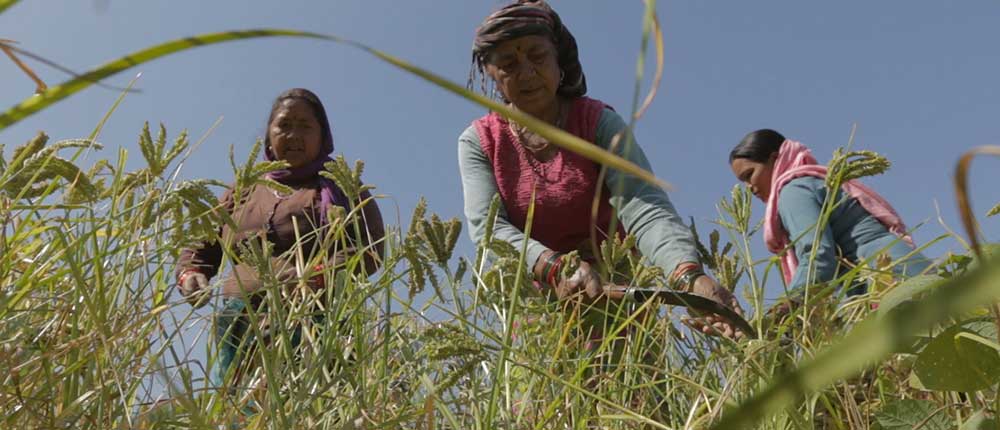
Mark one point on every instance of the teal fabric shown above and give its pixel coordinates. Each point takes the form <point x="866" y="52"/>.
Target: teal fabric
<point x="644" y="210"/>
<point x="851" y="230"/>
<point x="230" y="327"/>
<point x="234" y="340"/>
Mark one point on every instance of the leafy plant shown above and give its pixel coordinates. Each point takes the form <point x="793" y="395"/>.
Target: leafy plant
<point x="910" y="414"/>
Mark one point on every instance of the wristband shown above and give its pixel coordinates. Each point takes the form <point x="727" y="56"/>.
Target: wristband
<point x="686" y="281"/>
<point x="319" y="278"/>
<point x="185" y="274"/>
<point x="682" y="269"/>
<point x="556" y="272"/>
<point x="551" y="268"/>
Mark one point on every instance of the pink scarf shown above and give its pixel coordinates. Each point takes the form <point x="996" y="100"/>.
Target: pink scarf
<point x="795" y="161"/>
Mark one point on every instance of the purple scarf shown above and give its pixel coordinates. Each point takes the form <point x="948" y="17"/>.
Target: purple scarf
<point x="329" y="193"/>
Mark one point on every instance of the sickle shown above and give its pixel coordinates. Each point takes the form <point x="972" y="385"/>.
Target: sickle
<point x="691" y="301"/>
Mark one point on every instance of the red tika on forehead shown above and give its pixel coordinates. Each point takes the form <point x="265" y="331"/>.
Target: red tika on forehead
<point x="531" y="18"/>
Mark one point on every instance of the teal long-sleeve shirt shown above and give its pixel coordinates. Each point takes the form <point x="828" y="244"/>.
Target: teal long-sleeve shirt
<point x="852" y="232"/>
<point x="644" y="210"/>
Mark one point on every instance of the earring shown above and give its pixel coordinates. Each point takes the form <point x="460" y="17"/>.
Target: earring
<point x="562" y="76"/>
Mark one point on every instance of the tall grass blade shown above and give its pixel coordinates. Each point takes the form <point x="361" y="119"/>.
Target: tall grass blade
<point x="965" y="208"/>
<point x="56" y="93"/>
<point x="962" y="192"/>
<point x="553" y="134"/>
<point x="658" y="76"/>
<point x="4" y="4"/>
<point x="9" y="50"/>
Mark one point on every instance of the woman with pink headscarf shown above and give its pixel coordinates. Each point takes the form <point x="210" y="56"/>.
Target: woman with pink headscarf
<point x="784" y="174"/>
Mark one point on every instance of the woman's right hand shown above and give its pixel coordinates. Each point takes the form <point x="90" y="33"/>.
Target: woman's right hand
<point x="713" y="324"/>
<point x="193" y="286"/>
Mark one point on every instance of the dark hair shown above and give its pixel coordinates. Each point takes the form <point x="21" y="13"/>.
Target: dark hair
<point x="523" y="18"/>
<point x="317" y="107"/>
<point x="758" y="146"/>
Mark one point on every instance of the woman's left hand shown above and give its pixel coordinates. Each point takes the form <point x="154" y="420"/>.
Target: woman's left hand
<point x="713" y="324"/>
<point x="584" y="285"/>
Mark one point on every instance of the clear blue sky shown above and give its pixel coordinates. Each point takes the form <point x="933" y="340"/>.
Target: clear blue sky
<point x="918" y="77"/>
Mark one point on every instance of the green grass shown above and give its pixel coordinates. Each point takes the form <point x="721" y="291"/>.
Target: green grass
<point x="92" y="329"/>
<point x="93" y="334"/>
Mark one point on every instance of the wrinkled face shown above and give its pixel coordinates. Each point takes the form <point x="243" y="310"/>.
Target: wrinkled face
<point x="295" y="134"/>
<point x="756" y="175"/>
<point x="526" y="70"/>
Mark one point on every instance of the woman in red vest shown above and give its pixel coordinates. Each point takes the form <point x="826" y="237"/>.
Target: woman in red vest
<point x="531" y="59"/>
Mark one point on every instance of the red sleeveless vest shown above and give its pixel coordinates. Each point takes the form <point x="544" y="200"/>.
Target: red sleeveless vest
<point x="564" y="186"/>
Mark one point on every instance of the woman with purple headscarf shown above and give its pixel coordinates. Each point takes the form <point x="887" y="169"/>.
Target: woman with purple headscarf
<point x="293" y="225"/>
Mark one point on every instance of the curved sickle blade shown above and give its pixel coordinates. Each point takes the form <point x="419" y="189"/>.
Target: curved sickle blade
<point x="691" y="301"/>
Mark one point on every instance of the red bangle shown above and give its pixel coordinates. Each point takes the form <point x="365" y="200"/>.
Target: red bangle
<point x="185" y="274"/>
<point x="683" y="268"/>
<point x="319" y="279"/>
<point x="554" y="267"/>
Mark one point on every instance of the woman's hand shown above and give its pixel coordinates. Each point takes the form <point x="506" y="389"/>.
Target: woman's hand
<point x="713" y="324"/>
<point x="585" y="284"/>
<point x="193" y="286"/>
<point x="780" y="311"/>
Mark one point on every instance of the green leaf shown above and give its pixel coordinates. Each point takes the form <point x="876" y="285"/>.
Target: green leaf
<point x="984" y="327"/>
<point x="978" y="421"/>
<point x="980" y="339"/>
<point x="870" y="342"/>
<point x="907" y="414"/>
<point x="953" y="264"/>
<point x="952" y="362"/>
<point x="56" y="93"/>
<point x="914" y="382"/>
<point x="988" y="250"/>
<point x="909" y="289"/>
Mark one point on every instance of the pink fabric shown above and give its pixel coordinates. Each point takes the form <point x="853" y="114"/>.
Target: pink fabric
<point x="795" y="161"/>
<point x="563" y="197"/>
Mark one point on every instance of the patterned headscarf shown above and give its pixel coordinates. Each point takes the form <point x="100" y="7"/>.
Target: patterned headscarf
<point x="529" y="18"/>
